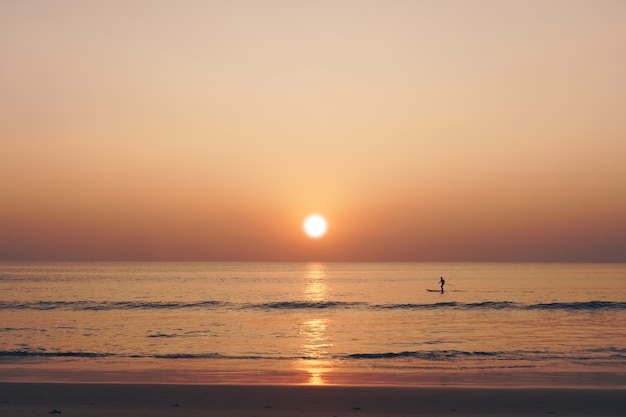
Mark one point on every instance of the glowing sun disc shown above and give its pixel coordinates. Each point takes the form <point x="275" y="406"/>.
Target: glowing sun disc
<point x="315" y="226"/>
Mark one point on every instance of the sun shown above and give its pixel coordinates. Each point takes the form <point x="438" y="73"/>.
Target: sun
<point x="315" y="226"/>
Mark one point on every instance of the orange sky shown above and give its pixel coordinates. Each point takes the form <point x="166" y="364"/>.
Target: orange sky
<point x="208" y="130"/>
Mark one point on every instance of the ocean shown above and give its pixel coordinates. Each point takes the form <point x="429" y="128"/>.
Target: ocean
<point x="314" y="323"/>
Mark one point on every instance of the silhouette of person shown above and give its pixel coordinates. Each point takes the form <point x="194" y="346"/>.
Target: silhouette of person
<point x="442" y="282"/>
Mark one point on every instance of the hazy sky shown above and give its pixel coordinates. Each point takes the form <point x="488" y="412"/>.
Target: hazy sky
<point x="208" y="130"/>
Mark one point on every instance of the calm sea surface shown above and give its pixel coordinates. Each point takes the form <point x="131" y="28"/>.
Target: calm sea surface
<point x="313" y="322"/>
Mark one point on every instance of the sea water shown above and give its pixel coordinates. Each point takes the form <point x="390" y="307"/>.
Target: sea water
<point x="372" y="323"/>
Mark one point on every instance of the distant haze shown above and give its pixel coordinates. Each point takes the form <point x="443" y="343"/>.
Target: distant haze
<point x="209" y="130"/>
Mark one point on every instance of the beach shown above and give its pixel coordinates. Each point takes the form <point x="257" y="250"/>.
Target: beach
<point x="38" y="399"/>
<point x="287" y="339"/>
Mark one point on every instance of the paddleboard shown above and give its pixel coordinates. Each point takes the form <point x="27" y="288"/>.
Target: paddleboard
<point x="433" y="290"/>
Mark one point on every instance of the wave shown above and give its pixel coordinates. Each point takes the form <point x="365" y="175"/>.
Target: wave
<point x="295" y="305"/>
<point x="43" y="354"/>
<point x="604" y="353"/>
<point x="587" y="305"/>
<point x="509" y="305"/>
<point x="107" y="305"/>
<point x="427" y="355"/>
<point x="452" y="304"/>
<point x="305" y="305"/>
<point x="608" y="353"/>
<point x="196" y="333"/>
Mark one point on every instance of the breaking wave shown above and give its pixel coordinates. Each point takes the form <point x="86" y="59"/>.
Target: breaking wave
<point x="307" y="305"/>
<point x="599" y="356"/>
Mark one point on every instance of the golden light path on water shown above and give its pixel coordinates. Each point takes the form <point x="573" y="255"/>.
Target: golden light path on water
<point x="313" y="330"/>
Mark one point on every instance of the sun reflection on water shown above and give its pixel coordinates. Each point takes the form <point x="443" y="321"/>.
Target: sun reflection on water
<point x="315" y="347"/>
<point x="315" y="283"/>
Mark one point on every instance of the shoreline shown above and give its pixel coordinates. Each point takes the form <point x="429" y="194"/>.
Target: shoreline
<point x="129" y="400"/>
<point x="193" y="372"/>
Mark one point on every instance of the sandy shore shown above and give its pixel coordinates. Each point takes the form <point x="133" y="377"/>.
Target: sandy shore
<point x="40" y="399"/>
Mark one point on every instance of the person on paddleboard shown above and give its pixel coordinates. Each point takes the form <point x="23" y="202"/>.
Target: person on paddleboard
<point x="442" y="282"/>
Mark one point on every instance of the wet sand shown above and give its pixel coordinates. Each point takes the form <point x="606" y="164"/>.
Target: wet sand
<point x="40" y="399"/>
